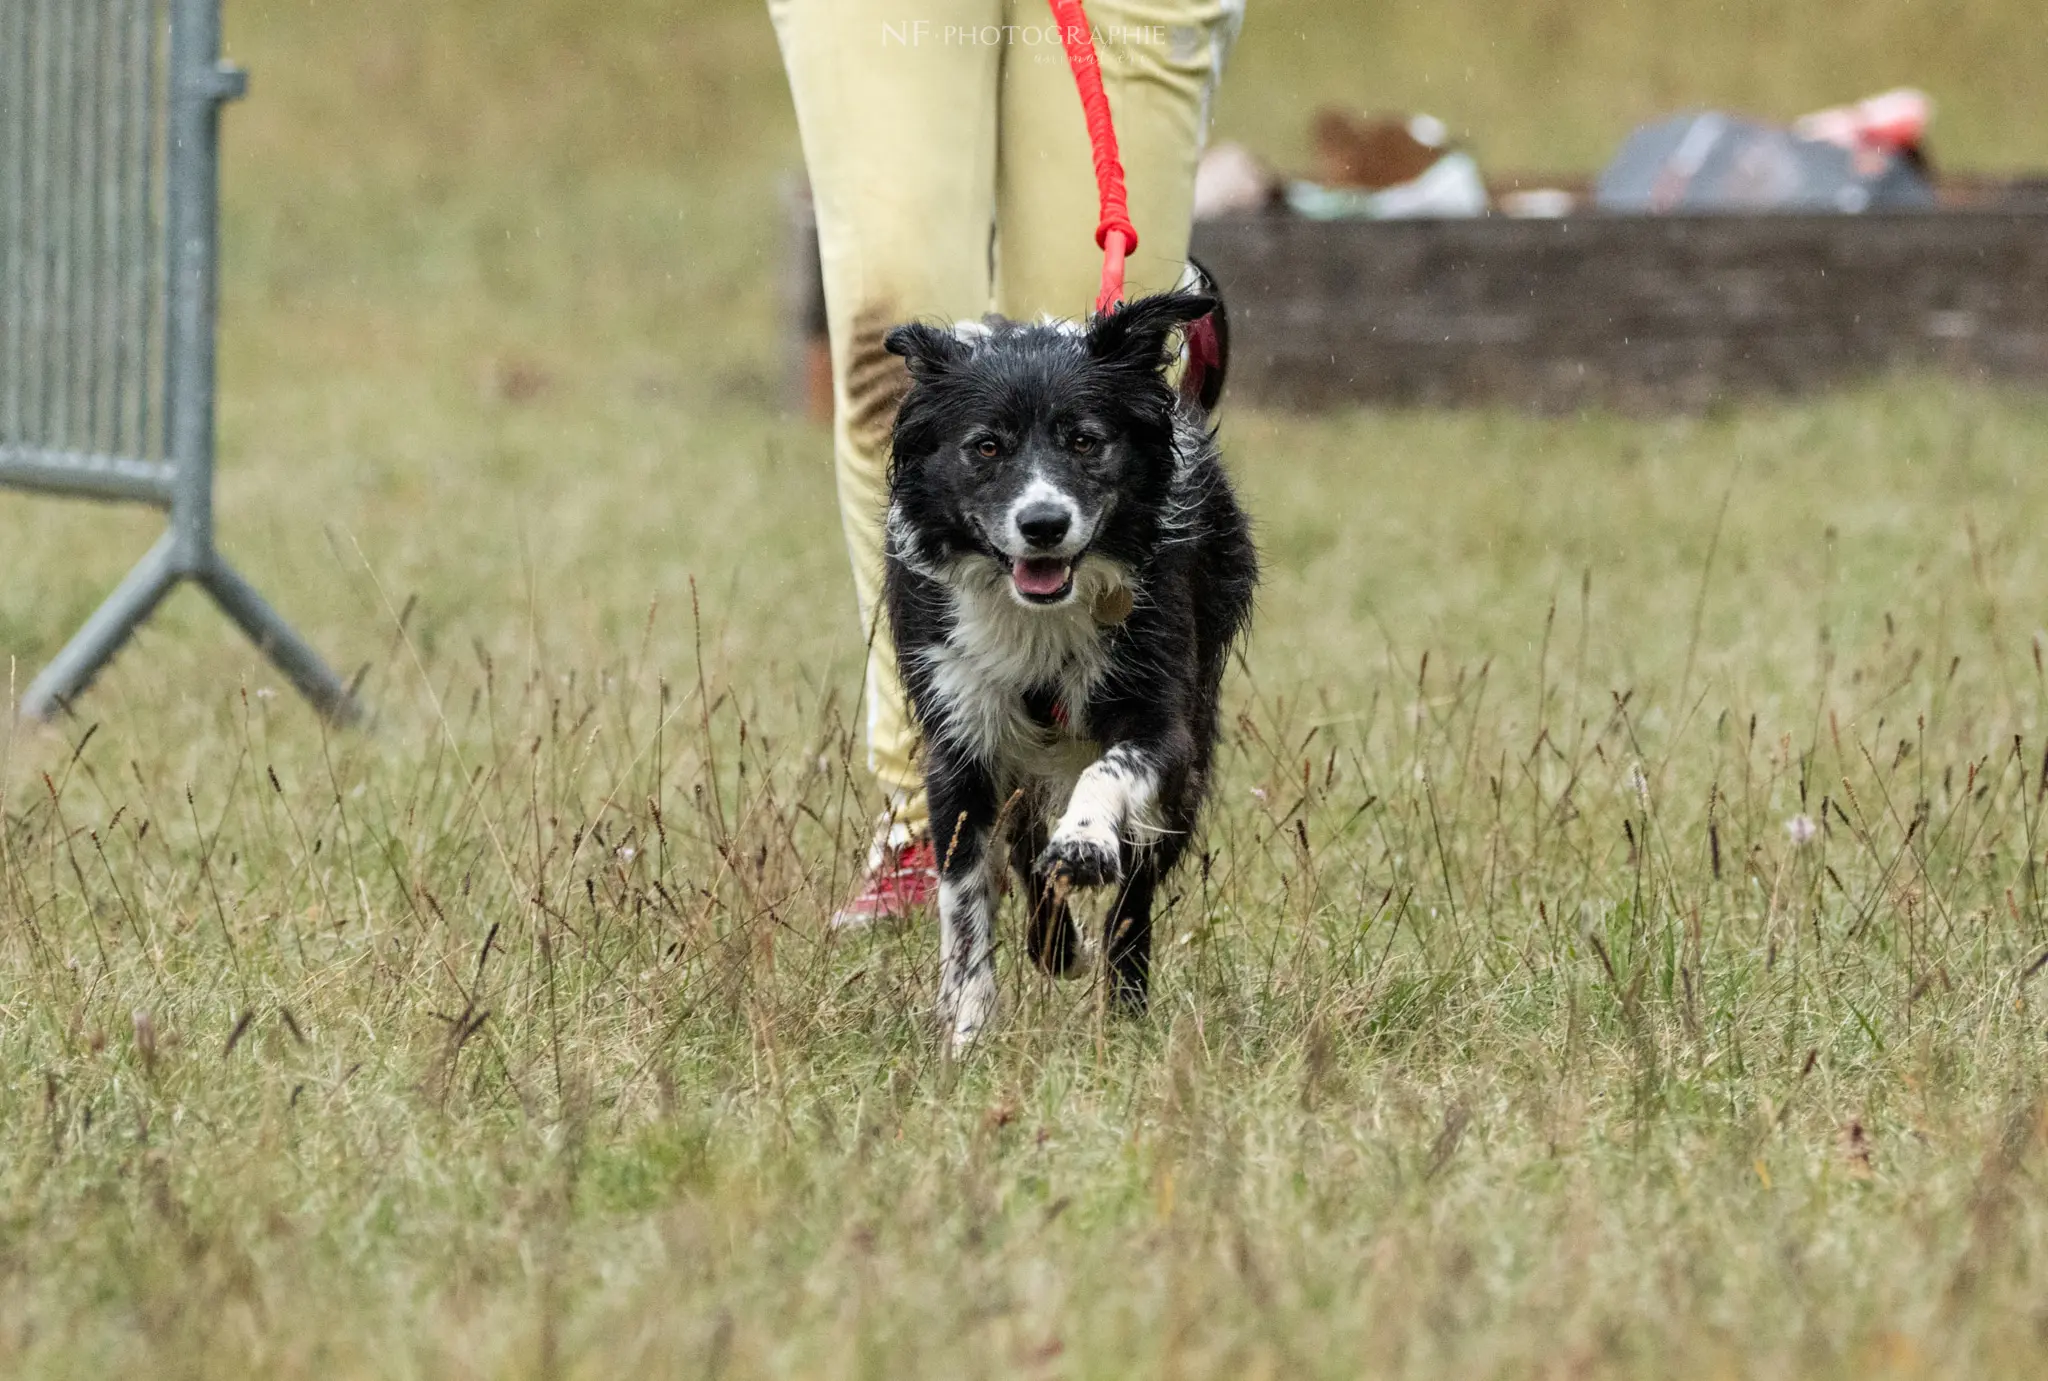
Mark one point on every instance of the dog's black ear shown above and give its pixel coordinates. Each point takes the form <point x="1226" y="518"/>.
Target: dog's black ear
<point x="929" y="350"/>
<point x="1136" y="333"/>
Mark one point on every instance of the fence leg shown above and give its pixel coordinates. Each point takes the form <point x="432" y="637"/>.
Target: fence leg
<point x="290" y="653"/>
<point x="94" y="645"/>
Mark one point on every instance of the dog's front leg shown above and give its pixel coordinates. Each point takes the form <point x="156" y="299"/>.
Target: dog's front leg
<point x="1113" y="831"/>
<point x="1112" y="802"/>
<point x="963" y="816"/>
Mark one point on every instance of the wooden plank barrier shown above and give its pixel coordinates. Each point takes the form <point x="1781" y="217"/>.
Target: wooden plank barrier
<point x="1634" y="312"/>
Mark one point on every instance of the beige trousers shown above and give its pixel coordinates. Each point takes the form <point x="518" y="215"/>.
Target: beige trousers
<point x="951" y="175"/>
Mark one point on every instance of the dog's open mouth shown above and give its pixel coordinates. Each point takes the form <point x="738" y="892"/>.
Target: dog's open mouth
<point x="1042" y="579"/>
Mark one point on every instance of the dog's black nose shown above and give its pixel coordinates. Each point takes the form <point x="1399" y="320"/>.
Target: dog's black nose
<point x="1044" y="524"/>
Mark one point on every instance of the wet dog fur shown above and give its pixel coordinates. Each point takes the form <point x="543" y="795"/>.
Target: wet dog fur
<point x="1068" y="571"/>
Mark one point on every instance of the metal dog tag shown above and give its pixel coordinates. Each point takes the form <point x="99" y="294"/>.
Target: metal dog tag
<point x="1113" y="606"/>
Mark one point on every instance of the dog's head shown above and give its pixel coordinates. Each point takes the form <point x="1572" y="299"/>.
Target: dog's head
<point x="1037" y="447"/>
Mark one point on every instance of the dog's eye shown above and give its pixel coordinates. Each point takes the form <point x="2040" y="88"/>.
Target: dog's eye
<point x="987" y="448"/>
<point x="1082" y="444"/>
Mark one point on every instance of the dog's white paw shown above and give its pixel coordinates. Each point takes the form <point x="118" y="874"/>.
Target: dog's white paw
<point x="1083" y="853"/>
<point x="969" y="1009"/>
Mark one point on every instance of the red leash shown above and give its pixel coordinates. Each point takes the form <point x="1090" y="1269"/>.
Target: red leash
<point x="1207" y="344"/>
<point x="1114" y="232"/>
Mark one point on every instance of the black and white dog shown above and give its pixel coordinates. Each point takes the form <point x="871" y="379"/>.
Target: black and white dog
<point x="1068" y="571"/>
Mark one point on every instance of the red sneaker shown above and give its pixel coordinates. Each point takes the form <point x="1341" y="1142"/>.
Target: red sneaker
<point x="900" y="881"/>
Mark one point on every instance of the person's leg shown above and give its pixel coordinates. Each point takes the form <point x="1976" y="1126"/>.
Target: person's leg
<point x="1161" y="61"/>
<point x="896" y="106"/>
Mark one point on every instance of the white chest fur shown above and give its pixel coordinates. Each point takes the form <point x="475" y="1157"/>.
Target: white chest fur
<point x="998" y="650"/>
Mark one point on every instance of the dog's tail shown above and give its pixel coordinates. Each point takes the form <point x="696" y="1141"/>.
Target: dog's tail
<point x="1205" y="345"/>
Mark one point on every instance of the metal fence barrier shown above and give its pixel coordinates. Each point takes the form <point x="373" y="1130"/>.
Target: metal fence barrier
<point x="109" y="198"/>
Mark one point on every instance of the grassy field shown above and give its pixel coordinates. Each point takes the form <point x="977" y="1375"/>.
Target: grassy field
<point x="1614" y="950"/>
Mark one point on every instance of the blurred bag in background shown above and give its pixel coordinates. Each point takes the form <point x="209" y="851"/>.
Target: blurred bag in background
<point x="1866" y="157"/>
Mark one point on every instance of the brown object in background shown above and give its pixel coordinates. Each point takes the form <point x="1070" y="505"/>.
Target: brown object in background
<point x="809" y="343"/>
<point x="817" y="378"/>
<point x="1373" y="152"/>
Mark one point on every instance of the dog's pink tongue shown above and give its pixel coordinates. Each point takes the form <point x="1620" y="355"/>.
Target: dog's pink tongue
<point x="1039" y="575"/>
